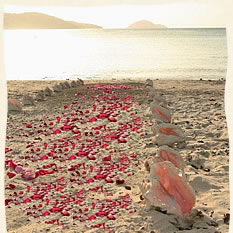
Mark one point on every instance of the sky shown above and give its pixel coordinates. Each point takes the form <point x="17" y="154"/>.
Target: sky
<point x="120" y="14"/>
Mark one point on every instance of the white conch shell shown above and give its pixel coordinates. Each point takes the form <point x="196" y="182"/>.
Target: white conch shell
<point x="73" y="84"/>
<point x="160" y="113"/>
<point x="67" y="85"/>
<point x="156" y="98"/>
<point x="169" y="189"/>
<point x="62" y="86"/>
<point x="57" y="88"/>
<point x="40" y="96"/>
<point x="80" y="82"/>
<point x="28" y="100"/>
<point x="48" y="91"/>
<point x="168" y="134"/>
<point x="149" y="82"/>
<point x="14" y="105"/>
<point x="166" y="153"/>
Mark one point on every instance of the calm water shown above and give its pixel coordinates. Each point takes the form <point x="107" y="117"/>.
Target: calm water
<point x="163" y="54"/>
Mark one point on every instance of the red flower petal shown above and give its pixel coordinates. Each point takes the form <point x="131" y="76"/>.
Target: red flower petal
<point x="65" y="213"/>
<point x="99" y="176"/>
<point x="7" y="150"/>
<point x="119" y="181"/>
<point x="27" y="200"/>
<point x="7" y="201"/>
<point x="57" y="131"/>
<point x="11" y="174"/>
<point x="92" y="218"/>
<point x="101" y="213"/>
<point x="58" y="119"/>
<point x="36" y="196"/>
<point x="90" y="180"/>
<point x="110" y="217"/>
<point x="107" y="158"/>
<point x="45" y="145"/>
<point x="46" y="213"/>
<point x="55" y="209"/>
<point x="93" y="119"/>
<point x="12" y="165"/>
<point x="122" y="140"/>
<point x="133" y="155"/>
<point x="11" y="186"/>
<point x="108" y="180"/>
<point x="91" y="157"/>
<point x="112" y="119"/>
<point x="72" y="157"/>
<point x="44" y="157"/>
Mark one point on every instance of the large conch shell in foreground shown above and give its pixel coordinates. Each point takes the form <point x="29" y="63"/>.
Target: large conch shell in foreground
<point x="168" y="134"/>
<point x="160" y="113"/>
<point x="169" y="190"/>
<point x="166" y="153"/>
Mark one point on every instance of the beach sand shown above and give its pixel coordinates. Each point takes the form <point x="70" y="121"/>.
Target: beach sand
<point x="89" y="197"/>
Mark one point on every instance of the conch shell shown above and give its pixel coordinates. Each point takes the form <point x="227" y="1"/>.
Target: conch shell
<point x="149" y="82"/>
<point x="48" y="91"/>
<point x="166" y="153"/>
<point x="40" y="96"/>
<point x="57" y="88"/>
<point x="73" y="84"/>
<point x="14" y="105"/>
<point x="28" y="100"/>
<point x="160" y="113"/>
<point x="169" y="190"/>
<point x="168" y="134"/>
<point x="67" y="85"/>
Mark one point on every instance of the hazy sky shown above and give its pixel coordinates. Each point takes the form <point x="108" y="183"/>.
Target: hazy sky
<point x="119" y="13"/>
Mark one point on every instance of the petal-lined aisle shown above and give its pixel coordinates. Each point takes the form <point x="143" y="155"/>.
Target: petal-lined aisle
<point x="74" y="161"/>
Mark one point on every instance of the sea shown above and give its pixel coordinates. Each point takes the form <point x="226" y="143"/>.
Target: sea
<point x="186" y="54"/>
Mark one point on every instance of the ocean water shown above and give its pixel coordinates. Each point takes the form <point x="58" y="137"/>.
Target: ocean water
<point x="115" y="53"/>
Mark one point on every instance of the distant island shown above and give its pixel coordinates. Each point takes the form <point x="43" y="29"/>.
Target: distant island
<point x="34" y="20"/>
<point x="145" y="24"/>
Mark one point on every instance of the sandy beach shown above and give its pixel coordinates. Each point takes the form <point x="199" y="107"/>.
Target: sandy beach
<point x="88" y="146"/>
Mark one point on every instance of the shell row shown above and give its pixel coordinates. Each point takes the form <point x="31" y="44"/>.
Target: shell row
<point x="168" y="187"/>
<point x="17" y="106"/>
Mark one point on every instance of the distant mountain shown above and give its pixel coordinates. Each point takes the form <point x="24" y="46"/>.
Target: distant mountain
<point x="34" y="20"/>
<point x="144" y="24"/>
